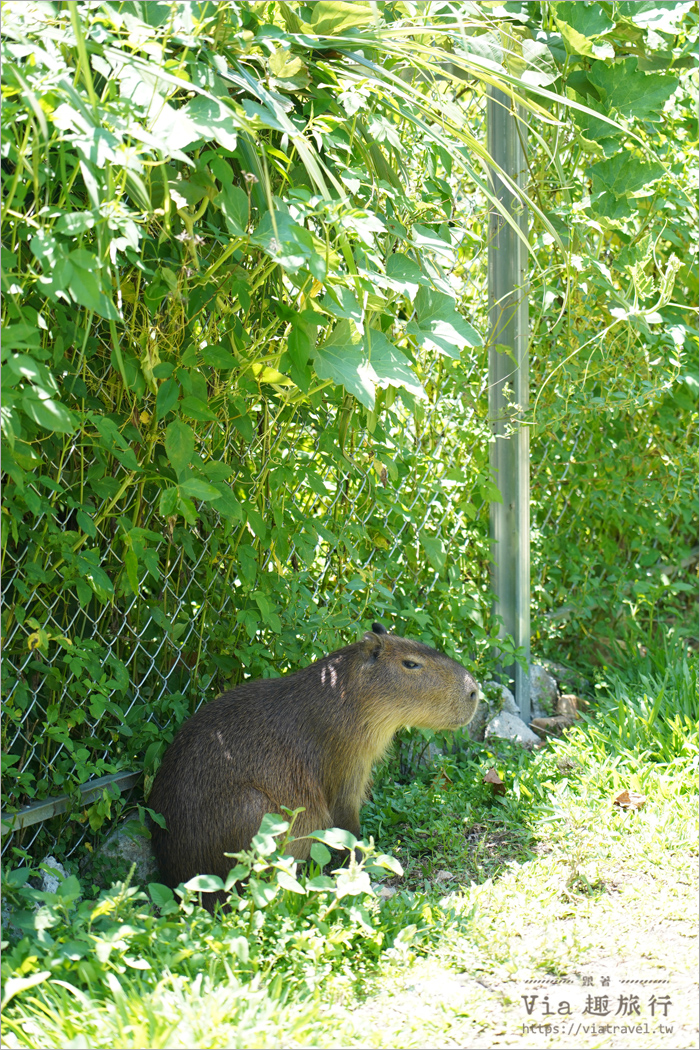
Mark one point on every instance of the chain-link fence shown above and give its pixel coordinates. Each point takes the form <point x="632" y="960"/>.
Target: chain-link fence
<point x="332" y="520"/>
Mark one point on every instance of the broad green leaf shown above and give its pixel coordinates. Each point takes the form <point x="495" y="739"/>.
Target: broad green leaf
<point x="341" y="302"/>
<point x="288" y="882"/>
<point x="212" y="120"/>
<point x="199" y="489"/>
<point x="405" y="274"/>
<point x="320" y="854"/>
<point x="196" y="409"/>
<point x="167" y="506"/>
<point x="663" y="16"/>
<point x="590" y="20"/>
<point x="351" y="883"/>
<point x="235" y="207"/>
<point x="26" y="367"/>
<point x="131" y="564"/>
<point x="341" y="359"/>
<point x="335" y="16"/>
<point x="179" y="445"/>
<point x="217" y="357"/>
<point x="261" y="893"/>
<point x="624" y="173"/>
<point x="286" y="242"/>
<point x="632" y="93"/>
<point x="75" y="222"/>
<point x="160" y="894"/>
<point x="435" y="550"/>
<point x="166" y="399"/>
<point x="205" y="884"/>
<point x="49" y="414"/>
<point x="438" y="325"/>
<point x="390" y="366"/>
<point x="86" y="523"/>
<point x="336" y="838"/>
<point x="84" y="284"/>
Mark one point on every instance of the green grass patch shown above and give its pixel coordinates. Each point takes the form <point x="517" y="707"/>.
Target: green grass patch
<point x="550" y="881"/>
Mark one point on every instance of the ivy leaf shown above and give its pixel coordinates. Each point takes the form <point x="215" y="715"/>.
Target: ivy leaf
<point x="438" y="326"/>
<point x="179" y="445"/>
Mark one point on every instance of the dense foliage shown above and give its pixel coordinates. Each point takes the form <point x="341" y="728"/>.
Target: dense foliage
<point x="243" y="410"/>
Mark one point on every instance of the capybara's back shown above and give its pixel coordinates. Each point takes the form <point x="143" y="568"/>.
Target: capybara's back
<point x="307" y="739"/>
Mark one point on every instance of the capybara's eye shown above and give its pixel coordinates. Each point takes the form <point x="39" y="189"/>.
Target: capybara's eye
<point x="410" y="663"/>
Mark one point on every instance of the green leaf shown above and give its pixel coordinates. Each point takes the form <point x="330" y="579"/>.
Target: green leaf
<point x="212" y="120"/>
<point x="438" y="326"/>
<point x="166" y="399"/>
<point x="404" y="274"/>
<point x="199" y="489"/>
<point x="390" y="366"/>
<point x="632" y="93"/>
<point x="26" y="367"/>
<point x="624" y="173"/>
<point x="288" y="882"/>
<point x="179" y="445"/>
<point x="196" y="409"/>
<point x="217" y="357"/>
<point x="286" y="242"/>
<point x="590" y="20"/>
<point x="329" y="17"/>
<point x="320" y="854"/>
<point x="49" y="414"/>
<point x="84" y="285"/>
<point x="235" y="207"/>
<point x="13" y="986"/>
<point x="160" y="894"/>
<point x="341" y="359"/>
<point x="341" y="302"/>
<point x="131" y="564"/>
<point x="663" y="16"/>
<point x="435" y="550"/>
<point x="205" y="884"/>
<point x="86" y="523"/>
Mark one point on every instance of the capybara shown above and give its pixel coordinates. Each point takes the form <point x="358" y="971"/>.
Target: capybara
<point x="307" y="739"/>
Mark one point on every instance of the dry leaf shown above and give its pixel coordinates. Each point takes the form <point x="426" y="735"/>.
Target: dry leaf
<point x="630" y="800"/>
<point x="495" y="781"/>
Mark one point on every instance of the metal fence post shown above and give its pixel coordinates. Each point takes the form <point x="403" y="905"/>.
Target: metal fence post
<point x="508" y="388"/>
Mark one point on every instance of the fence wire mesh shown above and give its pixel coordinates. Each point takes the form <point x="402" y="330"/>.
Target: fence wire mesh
<point x="334" y="520"/>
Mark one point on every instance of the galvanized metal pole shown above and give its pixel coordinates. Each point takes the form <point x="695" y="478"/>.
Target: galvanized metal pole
<point x="509" y="389"/>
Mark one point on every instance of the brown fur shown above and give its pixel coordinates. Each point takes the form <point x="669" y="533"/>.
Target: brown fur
<point x="307" y="739"/>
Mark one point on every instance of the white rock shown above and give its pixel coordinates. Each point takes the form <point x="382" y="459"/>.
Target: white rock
<point x="50" y="883"/>
<point x="510" y="727"/>
<point x="504" y="697"/>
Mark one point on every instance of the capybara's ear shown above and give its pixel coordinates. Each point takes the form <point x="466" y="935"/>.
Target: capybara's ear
<point x="379" y="629"/>
<point x="372" y="644"/>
